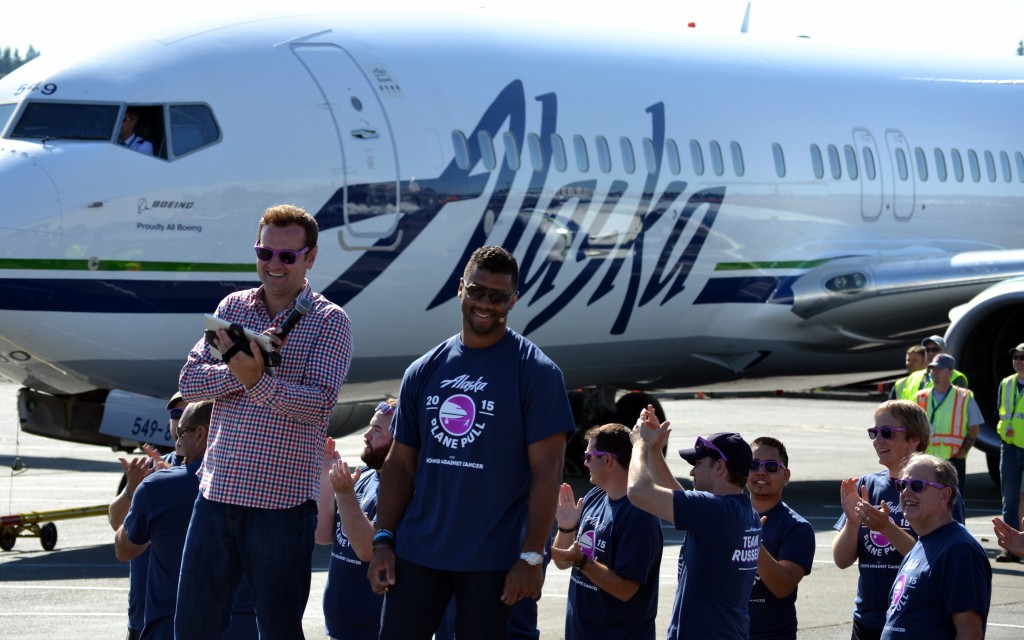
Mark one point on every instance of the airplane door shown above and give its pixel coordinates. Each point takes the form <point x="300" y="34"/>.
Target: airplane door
<point x="872" y="183"/>
<point x="902" y="174"/>
<point x="367" y="145"/>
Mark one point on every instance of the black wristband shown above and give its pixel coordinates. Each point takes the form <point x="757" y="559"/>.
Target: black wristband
<point x="582" y="562"/>
<point x="569" y="530"/>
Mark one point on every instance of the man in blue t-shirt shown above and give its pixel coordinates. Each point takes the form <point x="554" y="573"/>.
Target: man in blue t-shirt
<point x="944" y="585"/>
<point x="347" y="510"/>
<point x="787" y="545"/>
<point x="718" y="557"/>
<point x="479" y="441"/>
<point x="613" y="548"/>
<point x="873" y="530"/>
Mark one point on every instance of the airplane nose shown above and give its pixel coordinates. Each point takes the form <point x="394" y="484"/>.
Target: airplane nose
<point x="30" y="210"/>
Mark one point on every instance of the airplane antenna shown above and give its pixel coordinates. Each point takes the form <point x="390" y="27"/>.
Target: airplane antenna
<point x="745" y="27"/>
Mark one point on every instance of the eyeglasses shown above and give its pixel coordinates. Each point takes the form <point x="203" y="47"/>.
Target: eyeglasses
<point x="588" y="455"/>
<point x="183" y="430"/>
<point x="383" y="409"/>
<point x="478" y="292"/>
<point x="771" y="466"/>
<point x="702" y="447"/>
<point x="886" y="432"/>
<point x="175" y="414"/>
<point x="1021" y="357"/>
<point x="917" y="486"/>
<point x="287" y="256"/>
<point x="933" y="349"/>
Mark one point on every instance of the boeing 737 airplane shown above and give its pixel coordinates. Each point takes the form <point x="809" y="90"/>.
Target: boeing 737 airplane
<point x="685" y="209"/>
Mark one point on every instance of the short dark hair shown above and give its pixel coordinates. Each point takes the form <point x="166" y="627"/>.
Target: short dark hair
<point x="769" y="441"/>
<point x="282" y="215"/>
<point x="496" y="260"/>
<point x="197" y="414"/>
<point x="911" y="416"/>
<point x="613" y="438"/>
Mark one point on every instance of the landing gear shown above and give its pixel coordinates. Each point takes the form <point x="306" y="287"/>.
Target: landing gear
<point x="596" y="406"/>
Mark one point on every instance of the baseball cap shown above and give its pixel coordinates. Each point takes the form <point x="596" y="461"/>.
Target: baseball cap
<point x="939" y="340"/>
<point x="1019" y="347"/>
<point x="730" y="446"/>
<point x="175" y="399"/>
<point x="942" y="361"/>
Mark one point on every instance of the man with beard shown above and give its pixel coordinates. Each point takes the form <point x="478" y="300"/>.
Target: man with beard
<point x="347" y="511"/>
<point x="468" y="492"/>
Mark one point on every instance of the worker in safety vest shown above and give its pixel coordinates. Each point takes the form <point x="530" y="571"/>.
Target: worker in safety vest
<point x="915" y="360"/>
<point x="953" y="414"/>
<point x="1011" y="432"/>
<point x="915" y="382"/>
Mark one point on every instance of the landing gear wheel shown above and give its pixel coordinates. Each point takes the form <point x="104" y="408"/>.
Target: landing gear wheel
<point x="7" y="538"/>
<point x="629" y="406"/>
<point x="48" y="536"/>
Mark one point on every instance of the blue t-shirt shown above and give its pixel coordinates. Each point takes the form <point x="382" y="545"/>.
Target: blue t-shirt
<point x="946" y="572"/>
<point x="160" y="513"/>
<point x="471" y="413"/>
<point x="786" y="536"/>
<point x="351" y="608"/>
<point x="877" y="560"/>
<point x="628" y="541"/>
<point x="717" y="564"/>
<point x="137" y="572"/>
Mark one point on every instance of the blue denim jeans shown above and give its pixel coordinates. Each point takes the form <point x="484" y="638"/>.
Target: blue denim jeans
<point x="271" y="549"/>
<point x="1011" y="465"/>
<point x="414" y="606"/>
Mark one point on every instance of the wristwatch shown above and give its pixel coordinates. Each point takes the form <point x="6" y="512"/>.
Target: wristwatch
<point x="532" y="558"/>
<point x="579" y="564"/>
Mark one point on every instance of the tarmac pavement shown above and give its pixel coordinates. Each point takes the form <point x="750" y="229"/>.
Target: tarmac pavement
<point x="79" y="589"/>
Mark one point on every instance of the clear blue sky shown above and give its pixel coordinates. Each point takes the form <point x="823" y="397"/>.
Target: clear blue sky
<point x="981" y="27"/>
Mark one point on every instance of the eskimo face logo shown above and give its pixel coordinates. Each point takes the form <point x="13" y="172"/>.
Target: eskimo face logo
<point x="898" y="588"/>
<point x="457" y="414"/>
<point x="878" y="539"/>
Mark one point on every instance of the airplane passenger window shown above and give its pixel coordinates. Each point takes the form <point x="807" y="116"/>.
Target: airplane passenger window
<point x="511" y="150"/>
<point x="672" y="151"/>
<point x="851" y="162"/>
<point x="717" y="165"/>
<point x="192" y="127"/>
<point x="972" y="159"/>
<point x="461" y="147"/>
<point x="833" y="162"/>
<point x="1020" y="166"/>
<point x="869" y="163"/>
<point x="698" y="157"/>
<point x="5" y="114"/>
<point x="604" y="155"/>
<point x="536" y="153"/>
<point x="737" y="158"/>
<point x="558" y="159"/>
<point x="579" y="146"/>
<point x="990" y="166"/>
<point x="816" y="162"/>
<point x="901" y="164"/>
<point x="940" y="164"/>
<point x="67" y="121"/>
<point x="628" y="160"/>
<point x="958" y="165"/>
<point x="1004" y="160"/>
<point x="922" y="164"/>
<point x="650" y="157"/>
<point x="780" y="160"/>
<point x="486" y="144"/>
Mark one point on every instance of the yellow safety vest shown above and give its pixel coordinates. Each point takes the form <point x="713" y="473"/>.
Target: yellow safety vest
<point x="915" y="382"/>
<point x="1011" y="412"/>
<point x="948" y="420"/>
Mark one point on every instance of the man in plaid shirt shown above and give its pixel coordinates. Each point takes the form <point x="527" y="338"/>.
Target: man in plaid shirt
<point x="255" y="515"/>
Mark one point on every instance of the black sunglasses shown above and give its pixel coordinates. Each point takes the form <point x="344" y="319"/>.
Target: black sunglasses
<point x="478" y="292"/>
<point x="287" y="256"/>
<point x="771" y="466"/>
<point x="917" y="486"/>
<point x="886" y="432"/>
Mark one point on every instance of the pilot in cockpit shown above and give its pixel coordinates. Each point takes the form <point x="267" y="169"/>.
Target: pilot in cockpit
<point x="129" y="138"/>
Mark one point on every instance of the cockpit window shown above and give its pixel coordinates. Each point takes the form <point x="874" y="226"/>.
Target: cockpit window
<point x="192" y="127"/>
<point x="67" y="121"/>
<point x="5" y="114"/>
